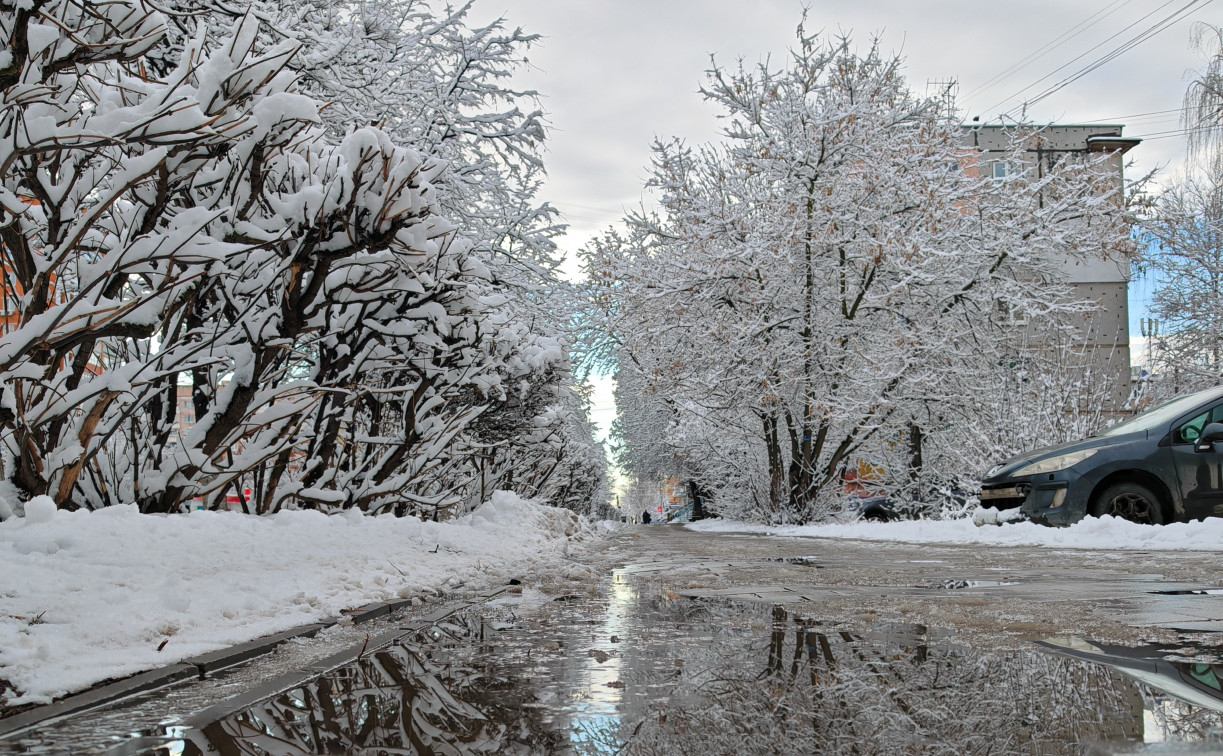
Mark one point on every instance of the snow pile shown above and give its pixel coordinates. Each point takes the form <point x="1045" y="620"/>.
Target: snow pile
<point x="993" y="516"/>
<point x="95" y="595"/>
<point x="40" y="509"/>
<point x="1090" y="533"/>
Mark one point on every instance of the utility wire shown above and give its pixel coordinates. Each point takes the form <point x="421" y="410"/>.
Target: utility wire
<point x="1051" y="45"/>
<point x="607" y="210"/>
<point x="1142" y="123"/>
<point x="1142" y="36"/>
<point x="1130" y="116"/>
<point x="1083" y="54"/>
<point x="1162" y="25"/>
<point x="1169" y="133"/>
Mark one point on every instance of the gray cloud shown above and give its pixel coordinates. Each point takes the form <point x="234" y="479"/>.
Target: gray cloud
<point x="615" y="75"/>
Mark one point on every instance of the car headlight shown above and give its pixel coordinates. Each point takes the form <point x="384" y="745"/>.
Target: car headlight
<point x="1053" y="464"/>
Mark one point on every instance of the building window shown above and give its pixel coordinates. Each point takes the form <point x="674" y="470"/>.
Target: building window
<point x="1000" y="170"/>
<point x="1010" y="316"/>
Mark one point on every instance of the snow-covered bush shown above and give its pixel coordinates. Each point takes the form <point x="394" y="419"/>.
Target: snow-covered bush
<point x="180" y="213"/>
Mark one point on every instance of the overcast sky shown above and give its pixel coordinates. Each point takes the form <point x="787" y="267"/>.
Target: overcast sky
<point x="616" y="73"/>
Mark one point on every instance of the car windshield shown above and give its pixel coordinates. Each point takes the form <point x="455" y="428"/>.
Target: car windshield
<point x="1161" y="414"/>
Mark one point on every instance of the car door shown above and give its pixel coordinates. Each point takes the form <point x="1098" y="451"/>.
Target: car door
<point x="1199" y="474"/>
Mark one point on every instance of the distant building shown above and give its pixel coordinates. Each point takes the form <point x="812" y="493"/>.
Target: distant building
<point x="675" y="500"/>
<point x="1103" y="280"/>
<point x="185" y="417"/>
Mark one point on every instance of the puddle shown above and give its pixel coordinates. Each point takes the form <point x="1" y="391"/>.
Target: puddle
<point x="1181" y="686"/>
<point x="636" y="669"/>
<point x="953" y="585"/>
<point x="405" y="698"/>
<point x="1191" y="592"/>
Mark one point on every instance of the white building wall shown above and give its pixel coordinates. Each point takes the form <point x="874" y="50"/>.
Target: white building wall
<point x="1101" y="280"/>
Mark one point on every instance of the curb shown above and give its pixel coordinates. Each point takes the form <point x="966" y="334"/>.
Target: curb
<point x="215" y="661"/>
<point x="198" y="667"/>
<point x="98" y="697"/>
<point x="292" y="680"/>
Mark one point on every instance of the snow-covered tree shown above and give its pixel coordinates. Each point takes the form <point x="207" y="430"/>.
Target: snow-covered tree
<point x="1202" y="113"/>
<point x="183" y="211"/>
<point x="810" y="289"/>
<point x="1184" y="228"/>
<point x="434" y="81"/>
<point x="196" y="223"/>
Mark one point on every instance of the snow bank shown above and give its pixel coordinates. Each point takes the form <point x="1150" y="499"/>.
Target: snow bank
<point x="1090" y="533"/>
<point x="994" y="516"/>
<point x="93" y="595"/>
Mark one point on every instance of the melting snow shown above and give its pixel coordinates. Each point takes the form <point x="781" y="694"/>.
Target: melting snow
<point x="1090" y="533"/>
<point x="92" y="595"/>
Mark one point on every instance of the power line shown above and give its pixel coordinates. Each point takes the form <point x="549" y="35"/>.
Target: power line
<point x="1051" y="45"/>
<point x="1124" y="47"/>
<point x="1082" y="55"/>
<point x="1162" y="25"/>
<point x="585" y="218"/>
<point x="1168" y="133"/>
<point x="1144" y="123"/>
<point x="1129" y="116"/>
<point x="1173" y="132"/>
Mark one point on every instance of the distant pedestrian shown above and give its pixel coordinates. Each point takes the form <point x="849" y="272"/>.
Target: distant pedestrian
<point x="645" y="517"/>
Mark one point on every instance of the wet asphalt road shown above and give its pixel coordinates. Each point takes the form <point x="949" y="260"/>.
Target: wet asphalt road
<point x="999" y="596"/>
<point x="661" y="640"/>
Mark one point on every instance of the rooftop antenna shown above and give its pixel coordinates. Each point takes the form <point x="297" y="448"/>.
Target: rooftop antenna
<point x="945" y="91"/>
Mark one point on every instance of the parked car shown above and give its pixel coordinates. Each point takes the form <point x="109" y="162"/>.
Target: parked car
<point x="1162" y="465"/>
<point x="876" y="508"/>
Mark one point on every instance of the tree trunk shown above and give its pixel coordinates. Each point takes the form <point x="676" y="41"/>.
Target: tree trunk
<point x="777" y="468"/>
<point x="698" y="501"/>
<point x="915" y="452"/>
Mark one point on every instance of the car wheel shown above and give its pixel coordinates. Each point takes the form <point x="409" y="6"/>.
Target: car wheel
<point x="1129" y="501"/>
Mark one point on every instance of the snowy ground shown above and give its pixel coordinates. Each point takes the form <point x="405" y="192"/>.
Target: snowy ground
<point x="1090" y="533"/>
<point x="94" y="595"/>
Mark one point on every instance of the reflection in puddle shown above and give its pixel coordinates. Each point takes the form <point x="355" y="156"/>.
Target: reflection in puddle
<point x="405" y="698"/>
<point x="655" y="674"/>
<point x="638" y="670"/>
<point x="1182" y="686"/>
<point x="901" y="689"/>
<point x="952" y="585"/>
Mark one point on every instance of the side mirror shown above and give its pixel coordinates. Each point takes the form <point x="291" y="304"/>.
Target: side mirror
<point x="1210" y="434"/>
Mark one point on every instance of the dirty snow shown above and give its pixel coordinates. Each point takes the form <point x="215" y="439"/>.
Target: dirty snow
<point x="1090" y="533"/>
<point x="95" y="595"/>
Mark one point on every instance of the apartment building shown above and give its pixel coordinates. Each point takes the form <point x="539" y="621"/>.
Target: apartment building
<point x="1102" y="279"/>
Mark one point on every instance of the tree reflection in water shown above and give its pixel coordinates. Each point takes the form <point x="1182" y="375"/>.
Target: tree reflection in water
<point x="828" y="692"/>
<point x="703" y="677"/>
<point x="400" y="699"/>
<point x="1178" y="721"/>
